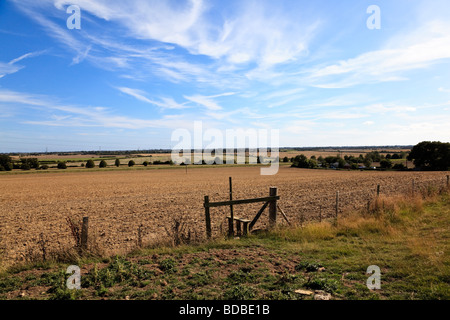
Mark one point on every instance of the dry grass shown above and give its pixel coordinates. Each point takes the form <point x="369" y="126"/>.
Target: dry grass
<point x="381" y="216"/>
<point x="119" y="202"/>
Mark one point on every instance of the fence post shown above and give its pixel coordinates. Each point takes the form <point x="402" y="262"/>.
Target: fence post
<point x="231" y="221"/>
<point x="84" y="233"/>
<point x="378" y="190"/>
<point x="207" y="218"/>
<point x="413" y="187"/>
<point x="337" y="203"/>
<point x="320" y="213"/>
<point x="273" y="208"/>
<point x="448" y="182"/>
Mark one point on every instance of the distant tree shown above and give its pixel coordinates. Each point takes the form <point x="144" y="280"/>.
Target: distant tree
<point x="102" y="164"/>
<point x="90" y="163"/>
<point x="367" y="162"/>
<point x="117" y="163"/>
<point x="386" y="164"/>
<point x="44" y="167"/>
<point x="312" y="163"/>
<point x="431" y="155"/>
<point x="25" y="166"/>
<point x="145" y="163"/>
<point x="331" y="159"/>
<point x="61" y="165"/>
<point x="352" y="159"/>
<point x="5" y="162"/>
<point x="131" y="163"/>
<point x="29" y="163"/>
<point x="388" y="156"/>
<point x="374" y="155"/>
<point x="321" y="160"/>
<point x="341" y="162"/>
<point x="285" y="159"/>
<point x="301" y="161"/>
<point x="399" y="166"/>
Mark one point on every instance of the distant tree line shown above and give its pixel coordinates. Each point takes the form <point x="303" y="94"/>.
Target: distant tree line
<point x="426" y="155"/>
<point x="350" y="162"/>
<point x="431" y="155"/>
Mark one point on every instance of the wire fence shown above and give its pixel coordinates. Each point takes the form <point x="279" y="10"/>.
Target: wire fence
<point x="302" y="207"/>
<point x="131" y="219"/>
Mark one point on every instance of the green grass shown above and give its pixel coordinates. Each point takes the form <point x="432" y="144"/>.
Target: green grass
<point x="407" y="239"/>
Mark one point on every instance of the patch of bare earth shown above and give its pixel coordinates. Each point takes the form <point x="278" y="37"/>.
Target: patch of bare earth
<point x="118" y="202"/>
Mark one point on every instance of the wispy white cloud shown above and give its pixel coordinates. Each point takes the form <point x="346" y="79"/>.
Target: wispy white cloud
<point x="251" y="32"/>
<point x="11" y="67"/>
<point x="208" y="101"/>
<point x="80" y="116"/>
<point x="55" y="30"/>
<point x="27" y="55"/>
<point x="422" y="48"/>
<point x="204" y="101"/>
<point x="383" y="108"/>
<point x="6" y="68"/>
<point x="167" y="103"/>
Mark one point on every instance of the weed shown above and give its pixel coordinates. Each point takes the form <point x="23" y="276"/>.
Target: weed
<point x="308" y="266"/>
<point x="119" y="271"/>
<point x="240" y="276"/>
<point x="9" y="284"/>
<point x="59" y="290"/>
<point x="168" y="265"/>
<point x="239" y="292"/>
<point x="325" y="284"/>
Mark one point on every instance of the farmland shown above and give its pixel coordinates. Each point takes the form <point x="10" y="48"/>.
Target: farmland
<point x="34" y="207"/>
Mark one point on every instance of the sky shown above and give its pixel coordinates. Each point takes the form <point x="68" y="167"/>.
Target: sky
<point x="136" y="71"/>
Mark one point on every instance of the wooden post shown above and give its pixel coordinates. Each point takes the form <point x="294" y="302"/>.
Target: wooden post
<point x="448" y="182"/>
<point x="337" y="203"/>
<point x="238" y="228"/>
<point x="207" y="218"/>
<point x="273" y="208"/>
<point x="378" y="190"/>
<point x="245" y="228"/>
<point x="412" y="187"/>
<point x="231" y="221"/>
<point x="320" y="213"/>
<point x="84" y="233"/>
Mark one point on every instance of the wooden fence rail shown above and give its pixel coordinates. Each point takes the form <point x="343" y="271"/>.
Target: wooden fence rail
<point x="270" y="201"/>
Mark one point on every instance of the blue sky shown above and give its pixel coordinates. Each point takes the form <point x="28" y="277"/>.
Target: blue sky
<point x="138" y="70"/>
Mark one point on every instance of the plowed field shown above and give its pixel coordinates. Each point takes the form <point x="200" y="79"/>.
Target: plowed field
<point x="117" y="202"/>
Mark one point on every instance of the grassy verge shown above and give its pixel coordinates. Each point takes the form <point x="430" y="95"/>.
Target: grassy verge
<point x="407" y="237"/>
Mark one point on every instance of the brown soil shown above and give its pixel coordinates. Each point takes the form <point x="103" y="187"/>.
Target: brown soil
<point x="117" y="202"/>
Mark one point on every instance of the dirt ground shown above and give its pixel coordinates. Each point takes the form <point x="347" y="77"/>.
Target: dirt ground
<point x="34" y="207"/>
